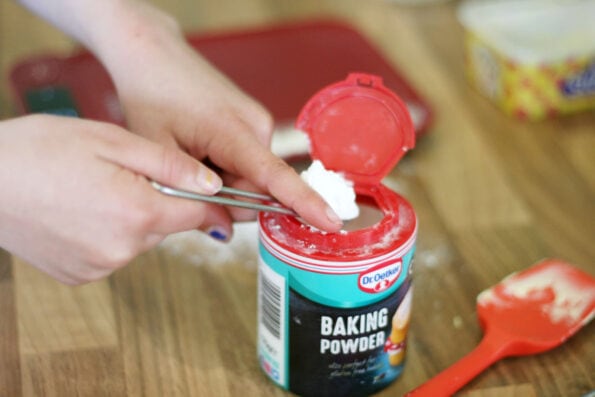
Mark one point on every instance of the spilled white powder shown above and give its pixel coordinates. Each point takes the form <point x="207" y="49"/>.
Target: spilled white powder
<point x="334" y="188"/>
<point x="434" y="254"/>
<point x="199" y="249"/>
<point x="570" y="299"/>
<point x="457" y="322"/>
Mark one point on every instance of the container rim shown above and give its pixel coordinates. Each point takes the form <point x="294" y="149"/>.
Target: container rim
<point x="347" y="249"/>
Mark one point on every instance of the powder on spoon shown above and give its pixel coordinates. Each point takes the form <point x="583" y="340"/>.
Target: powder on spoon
<point x="559" y="295"/>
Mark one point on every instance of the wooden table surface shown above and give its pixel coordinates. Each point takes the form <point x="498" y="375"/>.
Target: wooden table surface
<point x="493" y="196"/>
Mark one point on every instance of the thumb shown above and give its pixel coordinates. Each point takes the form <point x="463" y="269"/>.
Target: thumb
<point x="165" y="164"/>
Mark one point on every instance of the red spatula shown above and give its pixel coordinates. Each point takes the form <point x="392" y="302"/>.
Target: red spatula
<point x="528" y="312"/>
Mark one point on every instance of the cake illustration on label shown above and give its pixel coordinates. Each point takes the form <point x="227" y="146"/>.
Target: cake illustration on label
<point x="395" y="344"/>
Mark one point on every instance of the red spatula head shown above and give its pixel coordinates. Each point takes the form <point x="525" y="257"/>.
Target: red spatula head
<point x="538" y="308"/>
<point x="527" y="312"/>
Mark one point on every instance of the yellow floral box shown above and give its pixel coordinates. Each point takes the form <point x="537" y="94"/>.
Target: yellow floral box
<point x="533" y="58"/>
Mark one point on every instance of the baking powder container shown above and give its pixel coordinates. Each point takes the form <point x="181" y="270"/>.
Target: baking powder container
<point x="334" y="308"/>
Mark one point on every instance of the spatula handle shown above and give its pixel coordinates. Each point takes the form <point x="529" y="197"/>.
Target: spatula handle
<point x="447" y="382"/>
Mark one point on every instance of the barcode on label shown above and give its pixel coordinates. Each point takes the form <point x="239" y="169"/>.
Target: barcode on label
<point x="272" y="304"/>
<point x="270" y="298"/>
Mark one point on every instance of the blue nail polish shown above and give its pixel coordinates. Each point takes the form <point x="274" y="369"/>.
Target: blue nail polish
<point x="217" y="234"/>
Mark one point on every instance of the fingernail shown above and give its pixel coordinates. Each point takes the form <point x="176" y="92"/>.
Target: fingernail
<point x="217" y="233"/>
<point x="332" y="216"/>
<point x="209" y="181"/>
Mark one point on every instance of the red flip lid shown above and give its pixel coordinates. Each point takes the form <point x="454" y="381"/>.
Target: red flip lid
<point x="358" y="127"/>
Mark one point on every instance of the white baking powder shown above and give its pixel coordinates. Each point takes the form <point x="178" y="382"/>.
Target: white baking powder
<point x="199" y="249"/>
<point x="334" y="188"/>
<point x="570" y="300"/>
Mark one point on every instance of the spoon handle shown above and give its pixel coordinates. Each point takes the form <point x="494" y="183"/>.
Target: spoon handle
<point x="447" y="382"/>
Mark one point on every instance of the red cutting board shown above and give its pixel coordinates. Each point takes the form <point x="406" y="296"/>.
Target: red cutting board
<point x="282" y="66"/>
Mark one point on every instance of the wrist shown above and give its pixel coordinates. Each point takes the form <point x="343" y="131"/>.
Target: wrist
<point x="129" y="27"/>
<point x="104" y="26"/>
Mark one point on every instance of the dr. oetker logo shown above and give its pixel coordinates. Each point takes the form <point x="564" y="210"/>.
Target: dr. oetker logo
<point x="381" y="277"/>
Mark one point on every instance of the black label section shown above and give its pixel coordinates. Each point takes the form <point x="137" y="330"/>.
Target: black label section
<point x="341" y="352"/>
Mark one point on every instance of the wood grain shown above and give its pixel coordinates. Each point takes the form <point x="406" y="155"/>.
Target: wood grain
<point x="75" y="318"/>
<point x="493" y="196"/>
<point x="10" y="364"/>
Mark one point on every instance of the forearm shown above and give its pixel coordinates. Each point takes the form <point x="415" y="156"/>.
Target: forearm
<point x="111" y="29"/>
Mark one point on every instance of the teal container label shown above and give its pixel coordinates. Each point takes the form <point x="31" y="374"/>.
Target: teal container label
<point x="333" y="328"/>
